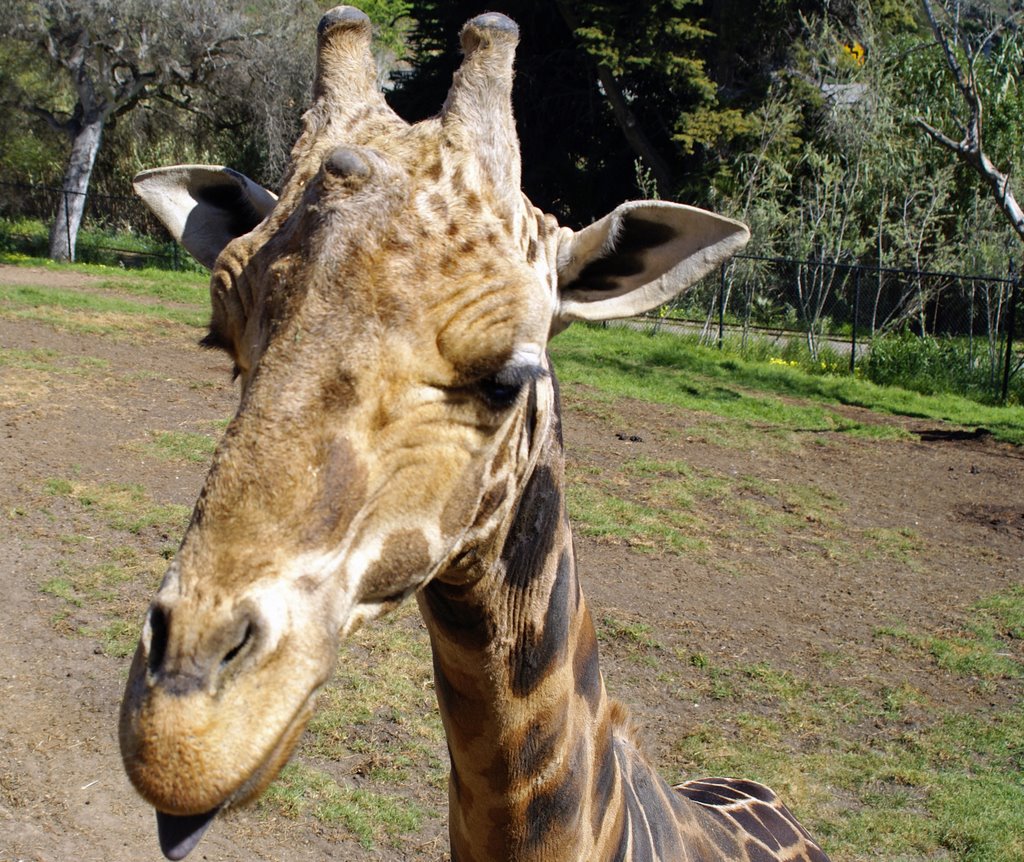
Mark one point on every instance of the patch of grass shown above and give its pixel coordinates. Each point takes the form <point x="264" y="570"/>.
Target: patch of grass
<point x="1005" y="611"/>
<point x="89" y="312"/>
<point x="976" y="652"/>
<point x="97" y="578"/>
<point x="370" y="817"/>
<point x="647" y="467"/>
<point x="174" y="285"/>
<point x="667" y="369"/>
<point x="674" y="484"/>
<point x="381" y="704"/>
<point x="597" y="511"/>
<point x="882" y="774"/>
<point x="97" y="584"/>
<point x="48" y="361"/>
<point x="668" y="506"/>
<point x="896" y="700"/>
<point x="39" y="359"/>
<point x="634" y="633"/>
<point x="182" y="446"/>
<point x="948" y="787"/>
<point x="58" y="487"/>
<point x="185" y="288"/>
<point x="97" y="595"/>
<point x="757" y="682"/>
<point x="900" y="544"/>
<point x="122" y="506"/>
<point x="117" y="638"/>
<point x="62" y="588"/>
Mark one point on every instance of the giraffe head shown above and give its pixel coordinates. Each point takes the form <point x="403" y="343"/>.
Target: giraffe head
<point x="388" y="317"/>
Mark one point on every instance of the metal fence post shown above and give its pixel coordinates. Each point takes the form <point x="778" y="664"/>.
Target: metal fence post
<point x="1011" y="321"/>
<point x="721" y="306"/>
<point x="970" y="332"/>
<point x="856" y="315"/>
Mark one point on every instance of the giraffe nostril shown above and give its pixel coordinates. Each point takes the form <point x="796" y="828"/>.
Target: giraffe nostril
<point x="238" y="648"/>
<point x="159" y="630"/>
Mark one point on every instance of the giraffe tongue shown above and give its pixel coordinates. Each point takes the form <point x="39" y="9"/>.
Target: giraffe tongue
<point x="179" y="835"/>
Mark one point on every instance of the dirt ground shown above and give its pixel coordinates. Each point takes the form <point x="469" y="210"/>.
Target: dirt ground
<point x="793" y="596"/>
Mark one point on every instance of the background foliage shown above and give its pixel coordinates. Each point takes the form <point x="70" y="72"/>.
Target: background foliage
<point x="797" y="116"/>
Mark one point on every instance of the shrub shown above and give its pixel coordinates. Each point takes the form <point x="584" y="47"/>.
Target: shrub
<point x="94" y="245"/>
<point x="934" y="365"/>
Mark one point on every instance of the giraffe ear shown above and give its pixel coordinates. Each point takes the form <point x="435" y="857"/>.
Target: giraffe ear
<point x="639" y="256"/>
<point x="204" y="206"/>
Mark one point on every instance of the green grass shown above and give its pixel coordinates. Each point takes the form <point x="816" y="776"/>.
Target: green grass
<point x="598" y="512"/>
<point x="383" y="678"/>
<point x="886" y="774"/>
<point x="46" y="362"/>
<point x="97" y="576"/>
<point x="112" y="301"/>
<point x="39" y="359"/>
<point x="900" y="544"/>
<point x="150" y="281"/>
<point x="370" y="817"/>
<point x="80" y="311"/>
<point x="185" y="288"/>
<point x="1004" y="612"/>
<point x="978" y="653"/>
<point x="667" y="369"/>
<point x="118" y="638"/>
<point x="182" y="446"/>
<point x="670" y="507"/>
<point x="96" y="595"/>
<point x="98" y="246"/>
<point x="633" y="633"/>
<point x="122" y="506"/>
<point x="987" y="646"/>
<point x="63" y="588"/>
<point x="378" y="716"/>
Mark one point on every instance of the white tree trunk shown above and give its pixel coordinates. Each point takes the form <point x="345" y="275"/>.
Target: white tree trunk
<point x="64" y="232"/>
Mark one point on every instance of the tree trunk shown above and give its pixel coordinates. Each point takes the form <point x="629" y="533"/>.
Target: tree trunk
<point x="70" y="207"/>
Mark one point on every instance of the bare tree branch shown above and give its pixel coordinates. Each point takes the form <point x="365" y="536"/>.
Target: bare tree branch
<point x="51" y="119"/>
<point x="970" y="149"/>
<point x="941" y="137"/>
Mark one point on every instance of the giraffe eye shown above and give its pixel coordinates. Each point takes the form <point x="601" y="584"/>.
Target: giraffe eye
<point x="500" y="391"/>
<point x="499" y="396"/>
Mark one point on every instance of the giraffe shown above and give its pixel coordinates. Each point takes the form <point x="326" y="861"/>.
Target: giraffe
<point x="399" y="434"/>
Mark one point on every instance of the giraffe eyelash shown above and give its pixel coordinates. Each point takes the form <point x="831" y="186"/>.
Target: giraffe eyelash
<point x="501" y="390"/>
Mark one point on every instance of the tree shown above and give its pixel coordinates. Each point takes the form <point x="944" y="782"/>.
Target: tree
<point x="600" y="85"/>
<point x="108" y="56"/>
<point x="973" y="64"/>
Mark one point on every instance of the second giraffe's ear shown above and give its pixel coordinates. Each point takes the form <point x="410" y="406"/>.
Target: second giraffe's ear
<point x="204" y="206"/>
<point x="638" y="257"/>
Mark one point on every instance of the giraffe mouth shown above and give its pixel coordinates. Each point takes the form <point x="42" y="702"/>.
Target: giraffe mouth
<point x="179" y="834"/>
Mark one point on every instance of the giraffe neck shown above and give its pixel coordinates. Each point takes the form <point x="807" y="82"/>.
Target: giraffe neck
<point x="541" y="759"/>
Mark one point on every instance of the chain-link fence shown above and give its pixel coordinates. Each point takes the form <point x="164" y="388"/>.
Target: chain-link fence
<point x="838" y="315"/>
<point x="117" y="230"/>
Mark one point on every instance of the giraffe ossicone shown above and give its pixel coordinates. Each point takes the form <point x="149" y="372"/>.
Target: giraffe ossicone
<point x="398" y="434"/>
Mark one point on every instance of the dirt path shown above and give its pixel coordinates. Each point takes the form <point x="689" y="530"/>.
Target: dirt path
<point x="861" y="534"/>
